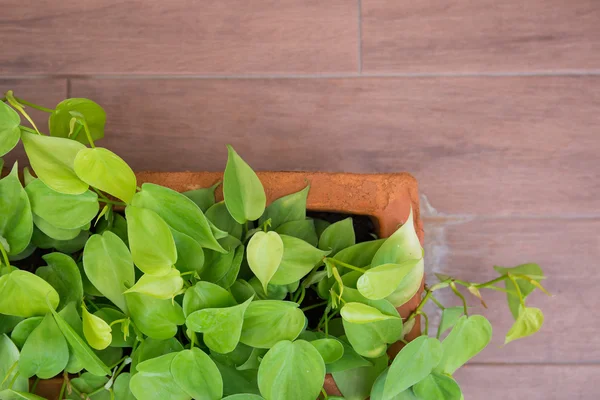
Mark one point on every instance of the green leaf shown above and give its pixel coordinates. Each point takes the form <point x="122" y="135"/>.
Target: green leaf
<point x="331" y="350"/>
<point x="414" y="362"/>
<point x="235" y="358"/>
<point x="9" y="356"/>
<point x="361" y="254"/>
<point x="265" y="251"/>
<point x="179" y="212"/>
<point x="242" y="290"/>
<point x="66" y="211"/>
<point x="469" y="336"/>
<point x="23" y="329"/>
<point x="358" y="313"/>
<point x="43" y="241"/>
<point x="243" y="192"/>
<point x="381" y="281"/>
<point x="161" y="287"/>
<point x="204" y="197"/>
<point x="219" y="216"/>
<point x="53" y="160"/>
<point x="154" y="317"/>
<point x="54" y="232"/>
<point x="338" y="236"/>
<point x="350" y="360"/>
<point x="320" y="226"/>
<point x="235" y="381"/>
<point x="304" y="230"/>
<point x="267" y="322"/>
<point x="109" y="267"/>
<point x="150" y="240"/>
<point x="437" y="386"/>
<point x="299" y="258"/>
<point x="24" y="294"/>
<point x="87" y="384"/>
<point x="78" y="348"/>
<point x="253" y="361"/>
<point x="16" y="223"/>
<point x="221" y="327"/>
<point x="409" y="286"/>
<point x="286" y="209"/>
<point x="45" y="352"/>
<point x="190" y="256"/>
<point x="450" y="317"/>
<point x="528" y="322"/>
<point x="206" y="295"/>
<point x="356" y="384"/>
<point x="121" y="387"/>
<point x="96" y="331"/>
<point x="154" y="380"/>
<point x="152" y="348"/>
<point x="274" y="292"/>
<point x="104" y="170"/>
<point x="60" y="119"/>
<point x="109" y="315"/>
<point x="197" y="375"/>
<point x="378" y="386"/>
<point x="532" y="270"/>
<point x="245" y="396"/>
<point x="403" y="245"/>
<point x="9" y="128"/>
<point x="219" y="267"/>
<point x="62" y="273"/>
<point x="291" y="371"/>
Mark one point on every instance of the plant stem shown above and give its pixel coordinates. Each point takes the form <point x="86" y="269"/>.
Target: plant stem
<point x="437" y="303"/>
<point x="37" y="107"/>
<point x="4" y="255"/>
<point x="87" y="133"/>
<point x="459" y="294"/>
<point x="34" y="386"/>
<point x="16" y="105"/>
<point x="314" y="306"/>
<point x="10" y="370"/>
<point x="62" y="389"/>
<point x="518" y="289"/>
<point x="345" y="265"/>
<point x="302" y="294"/>
<point x="324" y="394"/>
<point x="489" y="283"/>
<point x="27" y="129"/>
<point x="426" y="322"/>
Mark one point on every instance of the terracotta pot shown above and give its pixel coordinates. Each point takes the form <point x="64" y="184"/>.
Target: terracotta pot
<point x="386" y="198"/>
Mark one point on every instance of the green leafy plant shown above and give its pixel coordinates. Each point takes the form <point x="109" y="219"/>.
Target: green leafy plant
<point x="145" y="293"/>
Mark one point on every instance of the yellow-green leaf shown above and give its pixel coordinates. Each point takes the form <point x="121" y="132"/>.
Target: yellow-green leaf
<point x="96" y="331"/>
<point x="265" y="251"/>
<point x="162" y="286"/>
<point x="529" y="321"/>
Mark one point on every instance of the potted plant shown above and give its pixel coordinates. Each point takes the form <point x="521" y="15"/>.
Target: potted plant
<point x="110" y="290"/>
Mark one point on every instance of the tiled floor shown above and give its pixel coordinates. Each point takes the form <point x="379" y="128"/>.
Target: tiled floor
<point x="493" y="106"/>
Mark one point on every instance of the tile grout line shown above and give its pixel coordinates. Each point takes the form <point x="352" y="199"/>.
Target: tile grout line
<point x="360" y="52"/>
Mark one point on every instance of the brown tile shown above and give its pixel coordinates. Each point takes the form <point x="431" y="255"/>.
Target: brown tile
<point x="467" y="36"/>
<point x="494" y="146"/>
<point x="531" y="382"/>
<point x="568" y="252"/>
<point x="179" y="37"/>
<point x="44" y="92"/>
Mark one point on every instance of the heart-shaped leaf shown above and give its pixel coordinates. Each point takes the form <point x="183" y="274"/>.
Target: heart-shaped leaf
<point x="121" y="387"/>
<point x="469" y="336"/>
<point x="203" y="197"/>
<point x="45" y="352"/>
<point x="242" y="290"/>
<point x="267" y="322"/>
<point x="409" y="286"/>
<point x="24" y="294"/>
<point x="291" y="371"/>
<point x="220" y="217"/>
<point x="181" y="213"/>
<point x="104" y="170"/>
<point x="401" y="246"/>
<point x="437" y="386"/>
<point x="358" y="313"/>
<point x="59" y="122"/>
<point x="286" y="209"/>
<point x="206" y="295"/>
<point x="96" y="331"/>
<point x="54" y="232"/>
<point x="109" y="315"/>
<point x="532" y="270"/>
<point x="265" y="251"/>
<point x="150" y="240"/>
<point x="109" y="267"/>
<point x="299" y="258"/>
<point x="9" y="128"/>
<point x="62" y="273"/>
<point x="53" y="161"/>
<point x="23" y="329"/>
<point x="152" y="348"/>
<point x="303" y="229"/>
<point x="356" y="384"/>
<point x="9" y="357"/>
<point x="221" y="327"/>
<point x="154" y="380"/>
<point x="361" y="254"/>
<point x="381" y="281"/>
<point x="16" y="222"/>
<point x="66" y="211"/>
<point x="338" y="236"/>
<point x="414" y="362"/>
<point x="350" y="360"/>
<point x="162" y="287"/>
<point x="243" y="192"/>
<point x="190" y="255"/>
<point x="378" y="386"/>
<point x="197" y="375"/>
<point x="331" y="350"/>
<point x="528" y="322"/>
<point x="154" y="317"/>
